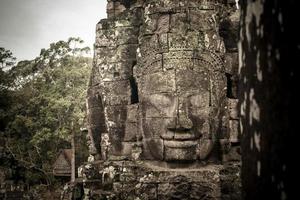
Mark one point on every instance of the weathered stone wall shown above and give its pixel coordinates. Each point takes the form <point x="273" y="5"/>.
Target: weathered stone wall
<point x="109" y="90"/>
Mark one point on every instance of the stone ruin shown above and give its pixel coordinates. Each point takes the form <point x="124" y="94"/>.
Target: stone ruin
<point x="162" y="118"/>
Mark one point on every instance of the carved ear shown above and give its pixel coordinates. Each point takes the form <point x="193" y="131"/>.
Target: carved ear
<point x="205" y="148"/>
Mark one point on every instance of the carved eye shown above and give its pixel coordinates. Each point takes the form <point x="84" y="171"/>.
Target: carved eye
<point x="200" y="101"/>
<point x="160" y="100"/>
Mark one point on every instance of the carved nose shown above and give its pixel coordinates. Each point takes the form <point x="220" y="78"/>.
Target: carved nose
<point x="183" y="122"/>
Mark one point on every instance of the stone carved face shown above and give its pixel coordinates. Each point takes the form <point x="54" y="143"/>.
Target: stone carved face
<point x="178" y="108"/>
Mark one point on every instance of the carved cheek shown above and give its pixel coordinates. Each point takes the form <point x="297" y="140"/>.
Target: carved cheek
<point x="157" y="111"/>
<point x="199" y="112"/>
<point x="199" y="105"/>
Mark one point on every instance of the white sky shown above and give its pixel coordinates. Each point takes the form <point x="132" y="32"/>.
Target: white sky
<point x="27" y="26"/>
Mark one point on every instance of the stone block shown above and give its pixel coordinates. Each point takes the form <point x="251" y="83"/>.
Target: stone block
<point x="110" y="13"/>
<point x="188" y="41"/>
<point x="147" y="191"/>
<point x="126" y="52"/>
<point x="234" y="154"/>
<point x="233" y="109"/>
<point x="114" y="100"/>
<point x="150" y="24"/>
<point x="127" y="177"/>
<point x="213" y="42"/>
<point x="95" y="116"/>
<point x="201" y="20"/>
<point x="128" y="192"/>
<point x="116" y="137"/>
<point x="97" y="128"/>
<point x="127" y="148"/>
<point x="163" y="43"/>
<point x="131" y="132"/>
<point x="234" y="133"/>
<point x="110" y="5"/>
<point x="202" y="173"/>
<point x="105" y="24"/>
<point x="163" y="23"/>
<point x="95" y="77"/>
<point x="150" y="65"/>
<point x="106" y="38"/>
<point x="119" y="8"/>
<point x="126" y="35"/>
<point x="205" y="148"/>
<point x="123" y="23"/>
<point x="176" y="154"/>
<point x="93" y="101"/>
<point x="104" y="55"/>
<point x="117" y="187"/>
<point x="231" y="63"/>
<point x="185" y="189"/>
<point x="179" y="23"/>
<point x="180" y="54"/>
<point x="177" y="42"/>
<point x="116" y="88"/>
<point x="132" y="113"/>
<point x="152" y="149"/>
<point x="149" y="46"/>
<point x="115" y="116"/>
<point x="115" y="71"/>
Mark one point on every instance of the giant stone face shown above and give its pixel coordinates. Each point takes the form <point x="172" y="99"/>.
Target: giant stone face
<point x="159" y="82"/>
<point x="180" y="105"/>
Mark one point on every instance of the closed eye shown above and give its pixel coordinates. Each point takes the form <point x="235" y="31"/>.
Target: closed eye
<point x="200" y="101"/>
<point x="160" y="100"/>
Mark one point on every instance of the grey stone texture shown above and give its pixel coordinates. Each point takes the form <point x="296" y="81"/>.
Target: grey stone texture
<point x="163" y="88"/>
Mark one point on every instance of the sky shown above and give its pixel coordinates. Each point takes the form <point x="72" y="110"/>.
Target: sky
<point x="27" y="26"/>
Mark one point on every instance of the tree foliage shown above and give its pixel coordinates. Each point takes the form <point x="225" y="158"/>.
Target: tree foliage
<point x="48" y="103"/>
<point x="7" y="59"/>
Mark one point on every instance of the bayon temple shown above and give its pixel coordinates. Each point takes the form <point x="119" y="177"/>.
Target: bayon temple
<point x="162" y="102"/>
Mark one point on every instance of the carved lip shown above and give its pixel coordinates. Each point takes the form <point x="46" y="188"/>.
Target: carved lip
<point x="180" y="143"/>
<point x="180" y="136"/>
<point x="180" y="139"/>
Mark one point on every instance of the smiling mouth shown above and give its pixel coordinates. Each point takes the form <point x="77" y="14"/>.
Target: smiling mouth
<point x="180" y="135"/>
<point x="180" y="146"/>
<point x="175" y="139"/>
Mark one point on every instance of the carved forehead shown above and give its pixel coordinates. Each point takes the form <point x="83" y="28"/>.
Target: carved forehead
<point x="175" y="80"/>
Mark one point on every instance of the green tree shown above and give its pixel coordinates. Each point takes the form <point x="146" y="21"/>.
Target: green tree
<point x="49" y="104"/>
<point x="6" y="62"/>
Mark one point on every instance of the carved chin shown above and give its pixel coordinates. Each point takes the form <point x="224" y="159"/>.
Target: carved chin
<point x="180" y="150"/>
